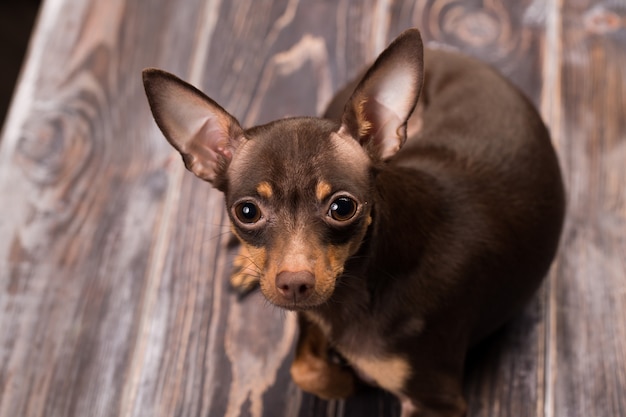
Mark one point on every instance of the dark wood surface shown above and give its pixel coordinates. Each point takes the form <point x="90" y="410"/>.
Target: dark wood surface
<point x="114" y="260"/>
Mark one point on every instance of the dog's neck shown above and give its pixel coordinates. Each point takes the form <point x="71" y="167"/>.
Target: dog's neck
<point x="407" y="208"/>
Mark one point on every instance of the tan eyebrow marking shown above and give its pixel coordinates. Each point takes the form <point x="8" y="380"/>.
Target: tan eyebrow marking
<point x="322" y="190"/>
<point x="264" y="189"/>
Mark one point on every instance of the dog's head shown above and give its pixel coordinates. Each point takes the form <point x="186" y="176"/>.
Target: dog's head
<point x="298" y="191"/>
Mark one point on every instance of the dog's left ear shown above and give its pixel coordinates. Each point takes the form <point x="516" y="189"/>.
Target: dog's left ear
<point x="203" y="132"/>
<point x="378" y="110"/>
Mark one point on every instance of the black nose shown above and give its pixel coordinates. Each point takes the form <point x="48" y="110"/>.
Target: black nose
<point x="295" y="287"/>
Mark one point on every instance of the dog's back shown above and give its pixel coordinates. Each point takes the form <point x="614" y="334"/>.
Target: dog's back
<point x="486" y="155"/>
<point x="488" y="147"/>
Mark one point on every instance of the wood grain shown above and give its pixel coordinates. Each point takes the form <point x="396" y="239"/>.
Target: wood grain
<point x="589" y="298"/>
<point x="114" y="260"/>
<point x="86" y="186"/>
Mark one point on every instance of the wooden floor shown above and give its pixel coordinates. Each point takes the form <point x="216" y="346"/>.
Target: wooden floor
<point x="114" y="259"/>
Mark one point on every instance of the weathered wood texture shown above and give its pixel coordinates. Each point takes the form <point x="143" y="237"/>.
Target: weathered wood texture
<point x="588" y="294"/>
<point x="114" y="260"/>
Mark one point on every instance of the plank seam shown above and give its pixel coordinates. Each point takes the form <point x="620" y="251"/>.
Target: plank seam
<point x="170" y="209"/>
<point x="550" y="108"/>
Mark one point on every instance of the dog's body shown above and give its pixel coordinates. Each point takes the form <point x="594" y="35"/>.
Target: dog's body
<point x="397" y="259"/>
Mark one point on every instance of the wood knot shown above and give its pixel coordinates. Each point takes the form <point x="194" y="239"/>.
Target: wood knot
<point x="600" y="21"/>
<point x="477" y="28"/>
<point x="486" y="28"/>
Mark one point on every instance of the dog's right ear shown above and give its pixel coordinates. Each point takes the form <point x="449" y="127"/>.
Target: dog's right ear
<point x="204" y="133"/>
<point x="378" y="111"/>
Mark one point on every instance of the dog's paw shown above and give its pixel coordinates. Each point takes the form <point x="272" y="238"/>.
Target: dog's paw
<point x="243" y="283"/>
<point x="244" y="279"/>
<point x="327" y="380"/>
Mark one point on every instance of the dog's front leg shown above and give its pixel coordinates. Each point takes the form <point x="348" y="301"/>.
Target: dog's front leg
<point x="245" y="275"/>
<point x="434" y="393"/>
<point x="413" y="408"/>
<point x="313" y="369"/>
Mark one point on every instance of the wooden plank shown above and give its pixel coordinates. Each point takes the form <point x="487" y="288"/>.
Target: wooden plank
<point x="83" y="177"/>
<point x="114" y="260"/>
<point x="588" y="342"/>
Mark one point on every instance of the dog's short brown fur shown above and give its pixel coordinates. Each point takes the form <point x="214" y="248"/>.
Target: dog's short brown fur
<point x="398" y="259"/>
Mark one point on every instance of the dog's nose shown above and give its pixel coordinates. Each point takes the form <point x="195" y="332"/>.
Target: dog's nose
<point x="295" y="286"/>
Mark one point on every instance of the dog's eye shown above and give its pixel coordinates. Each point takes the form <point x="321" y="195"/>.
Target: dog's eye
<point x="342" y="209"/>
<point x="247" y="212"/>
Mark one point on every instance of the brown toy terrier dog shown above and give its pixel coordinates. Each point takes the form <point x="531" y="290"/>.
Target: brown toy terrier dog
<point x="401" y="238"/>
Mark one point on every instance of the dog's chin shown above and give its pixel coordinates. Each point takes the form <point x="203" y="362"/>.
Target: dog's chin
<point x="301" y="306"/>
<point x="310" y="303"/>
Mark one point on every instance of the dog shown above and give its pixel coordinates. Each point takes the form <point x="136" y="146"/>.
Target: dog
<point x="402" y="232"/>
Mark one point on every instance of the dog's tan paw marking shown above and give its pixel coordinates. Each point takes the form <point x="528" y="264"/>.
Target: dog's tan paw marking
<point x="242" y="282"/>
<point x="244" y="277"/>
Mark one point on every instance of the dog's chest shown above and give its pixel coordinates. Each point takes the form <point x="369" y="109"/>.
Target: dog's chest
<point x="389" y="372"/>
<point x="364" y="348"/>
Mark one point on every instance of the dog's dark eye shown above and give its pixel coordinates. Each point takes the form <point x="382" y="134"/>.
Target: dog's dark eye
<point x="247" y="212"/>
<point x="342" y="209"/>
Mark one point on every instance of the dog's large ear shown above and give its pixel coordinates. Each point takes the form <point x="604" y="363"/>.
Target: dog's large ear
<point x="202" y="131"/>
<point x="377" y="112"/>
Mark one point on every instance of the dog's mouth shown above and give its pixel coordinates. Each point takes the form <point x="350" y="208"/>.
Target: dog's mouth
<point x="297" y="305"/>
